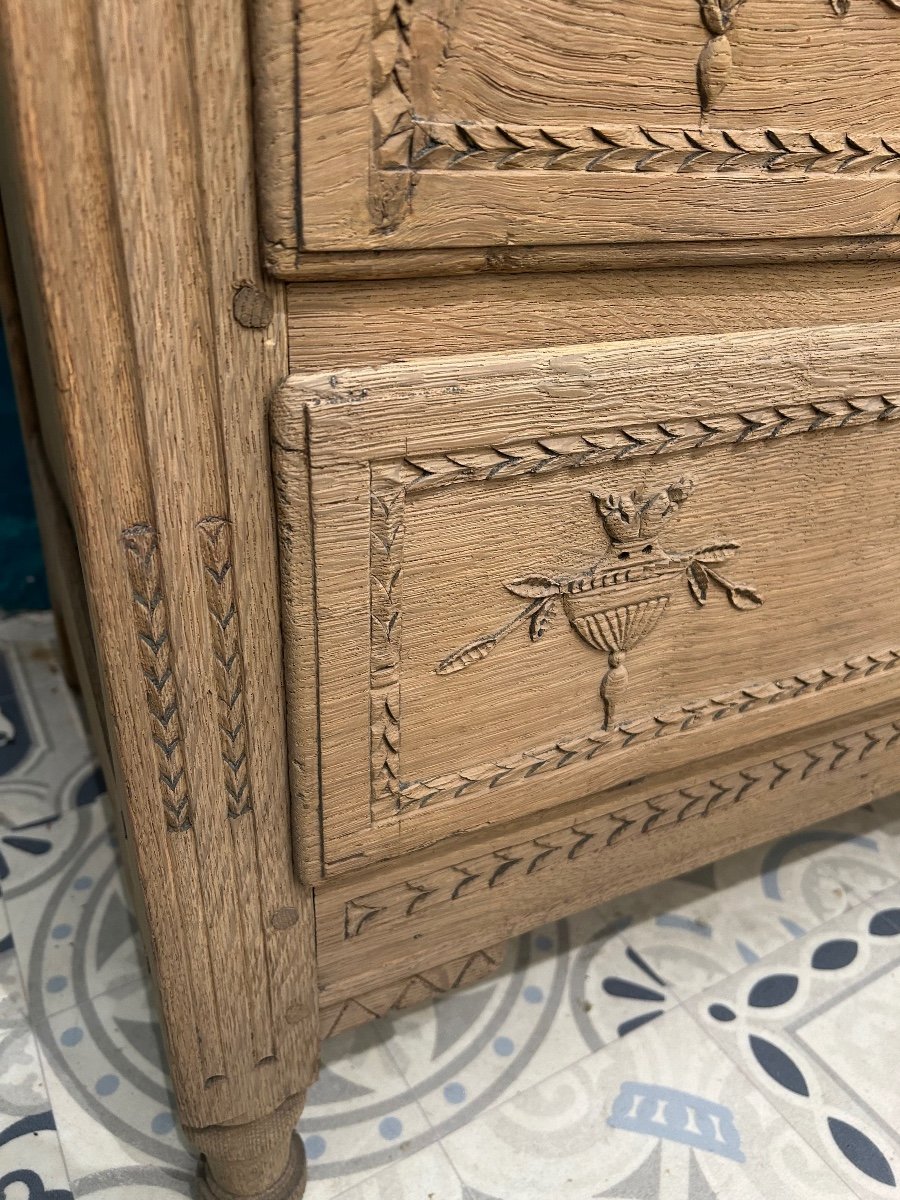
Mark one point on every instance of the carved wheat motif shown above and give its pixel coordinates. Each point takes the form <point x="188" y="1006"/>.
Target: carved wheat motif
<point x="151" y="625"/>
<point x="214" y="535"/>
<point x="595" y="835"/>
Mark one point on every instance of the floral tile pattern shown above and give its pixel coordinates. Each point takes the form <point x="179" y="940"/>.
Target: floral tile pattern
<point x="730" y="1035"/>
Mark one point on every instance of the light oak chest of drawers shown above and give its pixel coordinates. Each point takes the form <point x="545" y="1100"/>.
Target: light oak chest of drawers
<point x="465" y="437"/>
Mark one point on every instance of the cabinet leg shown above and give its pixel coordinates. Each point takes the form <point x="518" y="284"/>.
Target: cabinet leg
<point x="262" y="1160"/>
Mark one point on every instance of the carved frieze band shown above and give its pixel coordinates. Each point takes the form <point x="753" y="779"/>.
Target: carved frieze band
<point x="152" y="628"/>
<point x="636" y="149"/>
<point x="392" y="482"/>
<point x="421" y="988"/>
<point x="442" y="887"/>
<point x="214" y="534"/>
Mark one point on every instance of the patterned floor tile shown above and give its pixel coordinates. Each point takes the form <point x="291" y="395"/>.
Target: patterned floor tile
<point x="566" y="990"/>
<point x="73" y="932"/>
<point x="660" y="1116"/>
<point x="31" y="1161"/>
<point x="103" y="1062"/>
<point x="715" y="921"/>
<point x="12" y="991"/>
<point x="43" y="748"/>
<point x="360" y="1116"/>
<point x="427" y="1175"/>
<point x="814" y="1027"/>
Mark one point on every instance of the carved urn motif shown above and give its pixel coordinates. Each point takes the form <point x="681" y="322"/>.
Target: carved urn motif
<point x="617" y="603"/>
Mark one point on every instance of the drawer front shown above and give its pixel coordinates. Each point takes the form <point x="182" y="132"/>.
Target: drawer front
<point x="432" y="123"/>
<point x="536" y="577"/>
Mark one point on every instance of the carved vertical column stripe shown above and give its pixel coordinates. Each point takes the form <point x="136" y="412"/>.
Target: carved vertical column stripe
<point x="215" y="552"/>
<point x="152" y="627"/>
<point x="388" y="501"/>
<point x="214" y="535"/>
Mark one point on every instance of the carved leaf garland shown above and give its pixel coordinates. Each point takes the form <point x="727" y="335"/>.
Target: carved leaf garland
<point x="715" y="63"/>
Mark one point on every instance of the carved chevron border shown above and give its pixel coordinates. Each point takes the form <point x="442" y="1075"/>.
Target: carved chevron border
<point x="439" y="888"/>
<point x="151" y="623"/>
<point x="636" y="149"/>
<point x="391" y="483"/>
<point x="420" y="988"/>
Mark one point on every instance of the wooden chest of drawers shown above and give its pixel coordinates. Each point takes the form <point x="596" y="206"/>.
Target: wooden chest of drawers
<point x="488" y="510"/>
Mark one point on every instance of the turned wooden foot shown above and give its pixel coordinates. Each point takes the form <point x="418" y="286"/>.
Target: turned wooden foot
<point x="262" y="1160"/>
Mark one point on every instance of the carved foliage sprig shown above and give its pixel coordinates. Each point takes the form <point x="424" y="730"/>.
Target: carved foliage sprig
<point x="701" y="574"/>
<point x="715" y="63"/>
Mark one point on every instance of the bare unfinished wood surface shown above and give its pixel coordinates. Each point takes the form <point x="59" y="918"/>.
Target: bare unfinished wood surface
<point x="405" y="914"/>
<point x="433" y="124"/>
<point x="128" y="253"/>
<point x="537" y="575"/>
<point x="584" y="568"/>
<point x="431" y="983"/>
<point x="287" y="263"/>
<point x="332" y="326"/>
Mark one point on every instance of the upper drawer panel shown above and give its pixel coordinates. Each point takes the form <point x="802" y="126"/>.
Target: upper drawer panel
<point x="443" y="123"/>
<point x="511" y="581"/>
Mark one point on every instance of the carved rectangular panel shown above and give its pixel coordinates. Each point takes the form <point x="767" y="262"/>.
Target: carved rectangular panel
<point x="433" y="123"/>
<point x="540" y="576"/>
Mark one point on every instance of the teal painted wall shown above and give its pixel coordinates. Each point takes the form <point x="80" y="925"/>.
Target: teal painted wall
<point x="23" y="584"/>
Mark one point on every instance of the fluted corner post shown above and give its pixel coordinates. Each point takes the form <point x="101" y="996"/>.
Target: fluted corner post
<point x="155" y="342"/>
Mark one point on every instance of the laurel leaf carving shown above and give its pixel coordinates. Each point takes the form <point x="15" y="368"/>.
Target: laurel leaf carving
<point x="467" y="654"/>
<point x="533" y="587"/>
<point x="713" y="69"/>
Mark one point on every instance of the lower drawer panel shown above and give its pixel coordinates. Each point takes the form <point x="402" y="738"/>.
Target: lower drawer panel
<point x="540" y="576"/>
<point x="405" y="916"/>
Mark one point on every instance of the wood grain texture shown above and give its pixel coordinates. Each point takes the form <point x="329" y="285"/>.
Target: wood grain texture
<point x="332" y="326"/>
<point x="425" y="986"/>
<point x="161" y="395"/>
<point x="466" y="126"/>
<point x="289" y="264"/>
<point x="410" y="912"/>
<point x="438" y="487"/>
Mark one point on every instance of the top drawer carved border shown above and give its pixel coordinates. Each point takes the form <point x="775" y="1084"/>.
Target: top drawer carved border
<point x="407" y="141"/>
